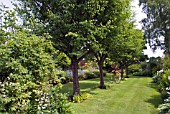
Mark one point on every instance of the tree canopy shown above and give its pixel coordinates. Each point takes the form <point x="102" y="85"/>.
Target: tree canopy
<point x="106" y="29"/>
<point x="64" y="21"/>
<point x="157" y="23"/>
<point x="77" y="27"/>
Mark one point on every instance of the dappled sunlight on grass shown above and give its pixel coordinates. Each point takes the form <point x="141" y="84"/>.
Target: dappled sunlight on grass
<point x="85" y="86"/>
<point x="136" y="95"/>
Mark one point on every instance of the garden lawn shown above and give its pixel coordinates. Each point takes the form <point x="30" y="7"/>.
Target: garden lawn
<point x="136" y="95"/>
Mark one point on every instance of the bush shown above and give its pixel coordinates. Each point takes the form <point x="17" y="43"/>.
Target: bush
<point x="134" y="68"/>
<point x="96" y="73"/>
<point x="81" y="98"/>
<point x="166" y="62"/>
<point x="164" y="82"/>
<point x="90" y="65"/>
<point x="82" y="75"/>
<point x="157" y="77"/>
<point x="62" y="75"/>
<point x="89" y="74"/>
<point x="165" y="107"/>
<point x="28" y="67"/>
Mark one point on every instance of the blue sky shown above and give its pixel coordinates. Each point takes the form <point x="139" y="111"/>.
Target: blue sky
<point x="139" y="17"/>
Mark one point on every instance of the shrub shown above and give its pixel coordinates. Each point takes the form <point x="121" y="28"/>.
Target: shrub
<point x="96" y="73"/>
<point x="134" y="68"/>
<point x="157" y="77"/>
<point x="164" y="82"/>
<point x="81" y="98"/>
<point x="82" y="75"/>
<point x="166" y="62"/>
<point x="165" y="107"/>
<point x="90" y="65"/>
<point x="62" y="75"/>
<point x="28" y="66"/>
<point x="89" y="74"/>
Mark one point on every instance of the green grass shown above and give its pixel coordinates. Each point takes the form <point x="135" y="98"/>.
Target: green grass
<point x="137" y="95"/>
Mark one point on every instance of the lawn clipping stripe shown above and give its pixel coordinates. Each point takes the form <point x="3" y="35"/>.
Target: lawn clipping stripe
<point x="137" y="95"/>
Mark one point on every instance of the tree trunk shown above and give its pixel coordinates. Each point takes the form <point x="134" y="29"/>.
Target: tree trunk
<point x="167" y="42"/>
<point x="74" y="64"/>
<point x="127" y="72"/>
<point x="101" y="86"/>
<point x="122" y="77"/>
<point x="76" y="88"/>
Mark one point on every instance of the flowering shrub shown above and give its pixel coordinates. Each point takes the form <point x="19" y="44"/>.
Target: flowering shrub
<point x="165" y="107"/>
<point x="27" y="67"/>
<point x="164" y="86"/>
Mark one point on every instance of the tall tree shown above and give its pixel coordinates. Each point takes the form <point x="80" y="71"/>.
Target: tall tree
<point x="65" y="21"/>
<point x="105" y="30"/>
<point x="131" y="47"/>
<point x="157" y="23"/>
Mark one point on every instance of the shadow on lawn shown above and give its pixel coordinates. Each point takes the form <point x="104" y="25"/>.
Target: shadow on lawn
<point x="155" y="100"/>
<point x="153" y="85"/>
<point x="87" y="86"/>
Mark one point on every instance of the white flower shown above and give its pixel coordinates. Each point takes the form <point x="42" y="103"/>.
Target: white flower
<point x="4" y="96"/>
<point x="167" y="88"/>
<point x="168" y="77"/>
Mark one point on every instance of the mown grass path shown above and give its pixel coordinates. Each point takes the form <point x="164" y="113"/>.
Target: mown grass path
<point x="137" y="95"/>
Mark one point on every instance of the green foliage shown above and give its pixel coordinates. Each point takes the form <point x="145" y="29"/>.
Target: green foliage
<point x="81" y="98"/>
<point x="164" y="82"/>
<point x="166" y="62"/>
<point x="83" y="75"/>
<point x="157" y="77"/>
<point x="165" y="107"/>
<point x="127" y="52"/>
<point x="65" y="21"/>
<point x="134" y="68"/>
<point x="9" y="21"/>
<point x="89" y="74"/>
<point x="90" y="65"/>
<point x="26" y="68"/>
<point x="155" y="64"/>
<point x="62" y="60"/>
<point x="76" y="26"/>
<point x="151" y="67"/>
<point x="156" y="26"/>
<point x="77" y="99"/>
<point x="143" y="70"/>
<point x="97" y="73"/>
